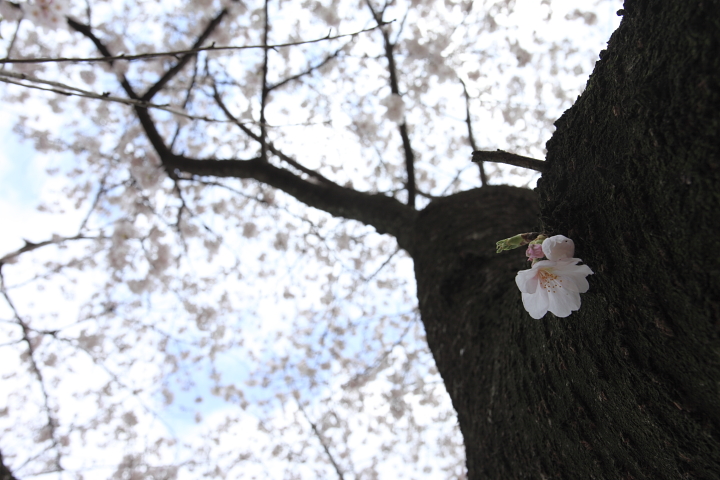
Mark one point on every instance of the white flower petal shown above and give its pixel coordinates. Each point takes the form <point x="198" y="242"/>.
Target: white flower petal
<point x="563" y="303"/>
<point x="573" y="275"/>
<point x="527" y="281"/>
<point x="577" y="282"/>
<point x="536" y="304"/>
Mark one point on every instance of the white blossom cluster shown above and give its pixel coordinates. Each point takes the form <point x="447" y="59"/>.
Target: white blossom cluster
<point x="46" y="14"/>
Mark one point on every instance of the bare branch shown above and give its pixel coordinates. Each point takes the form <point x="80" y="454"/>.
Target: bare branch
<point x="270" y="145"/>
<point x="369" y="369"/>
<point x="395" y="89"/>
<point x="185" y="58"/>
<point x="471" y="137"/>
<point x="87" y="31"/>
<point x="176" y="53"/>
<point x="30" y="246"/>
<point x="265" y="89"/>
<point x="501" y="156"/>
<point x="67" y="90"/>
<point x="52" y="422"/>
<point x="188" y="96"/>
<point x="386" y="214"/>
<point x="309" y="70"/>
<point x="12" y="43"/>
<point x="323" y="442"/>
<point x="96" y="202"/>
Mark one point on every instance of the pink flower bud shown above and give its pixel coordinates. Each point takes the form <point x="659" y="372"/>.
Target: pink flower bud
<point x="534" y="251"/>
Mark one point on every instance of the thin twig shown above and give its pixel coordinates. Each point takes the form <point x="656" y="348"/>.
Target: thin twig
<point x="501" y="156"/>
<point x="384" y="264"/>
<point x="471" y="137"/>
<point x="12" y="42"/>
<point x="270" y="146"/>
<point x="188" y="95"/>
<point x="52" y="422"/>
<point x="265" y="89"/>
<point x="67" y="90"/>
<point x="262" y="201"/>
<point x="175" y="69"/>
<point x="322" y="442"/>
<point x="453" y="182"/>
<point x="309" y="70"/>
<point x="30" y="246"/>
<point x="371" y="368"/>
<point x="175" y="53"/>
<point x="395" y="90"/>
<point x="95" y="203"/>
<point x="88" y="12"/>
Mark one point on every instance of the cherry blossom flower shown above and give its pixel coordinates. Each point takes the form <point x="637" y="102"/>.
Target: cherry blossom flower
<point x="10" y="12"/>
<point x="395" y="108"/>
<point x="555" y="284"/>
<point x="49" y="14"/>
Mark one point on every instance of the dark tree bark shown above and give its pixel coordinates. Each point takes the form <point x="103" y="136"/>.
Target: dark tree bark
<point x="629" y="386"/>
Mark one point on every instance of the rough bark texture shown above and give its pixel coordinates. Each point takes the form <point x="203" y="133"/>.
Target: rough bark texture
<point x="629" y="386"/>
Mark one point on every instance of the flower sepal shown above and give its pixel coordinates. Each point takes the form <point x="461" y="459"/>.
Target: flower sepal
<point x="519" y="240"/>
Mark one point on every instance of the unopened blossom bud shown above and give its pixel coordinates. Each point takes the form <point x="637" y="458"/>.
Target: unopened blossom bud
<point x="509" y="243"/>
<point x="518" y="241"/>
<point x="558" y="247"/>
<point x="534" y="251"/>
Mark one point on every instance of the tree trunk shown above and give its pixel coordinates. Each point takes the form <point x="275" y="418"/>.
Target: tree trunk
<point x="628" y="387"/>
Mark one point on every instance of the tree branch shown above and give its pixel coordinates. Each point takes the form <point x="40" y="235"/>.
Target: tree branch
<point x="188" y="96"/>
<point x="384" y="213"/>
<point x="70" y="91"/>
<point x="87" y="31"/>
<point x="29" y="247"/>
<point x="12" y="42"/>
<point x="501" y="156"/>
<point x="323" y="442"/>
<point x="471" y="137"/>
<point x="52" y="422"/>
<point x="185" y="58"/>
<point x="394" y="88"/>
<point x="176" y="53"/>
<point x="310" y="69"/>
<point x="270" y="145"/>
<point x="265" y="89"/>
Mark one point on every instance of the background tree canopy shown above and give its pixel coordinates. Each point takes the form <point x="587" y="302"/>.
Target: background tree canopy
<point x="237" y="201"/>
